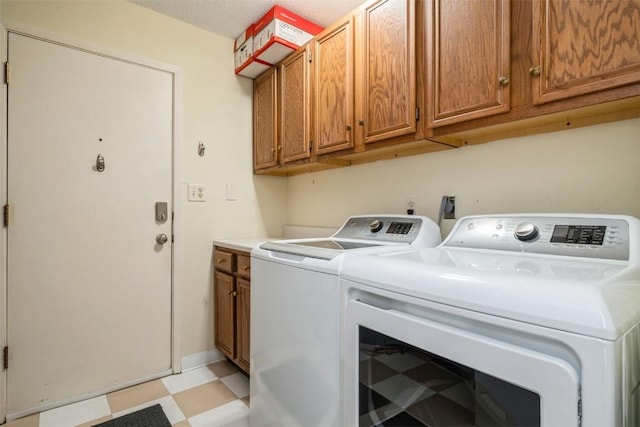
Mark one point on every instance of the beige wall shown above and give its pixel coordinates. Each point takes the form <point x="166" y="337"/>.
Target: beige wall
<point x="591" y="169"/>
<point x="217" y="111"/>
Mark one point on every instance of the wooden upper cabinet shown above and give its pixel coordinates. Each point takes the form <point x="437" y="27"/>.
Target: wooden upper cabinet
<point x="293" y="111"/>
<point x="386" y="71"/>
<point x="264" y="120"/>
<point x="333" y="95"/>
<point x="468" y="59"/>
<point x="585" y="46"/>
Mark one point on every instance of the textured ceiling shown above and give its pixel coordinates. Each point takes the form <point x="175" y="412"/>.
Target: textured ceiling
<point x="229" y="18"/>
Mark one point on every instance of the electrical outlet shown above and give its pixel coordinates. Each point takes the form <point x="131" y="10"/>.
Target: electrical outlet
<point x="197" y="193"/>
<point x="411" y="205"/>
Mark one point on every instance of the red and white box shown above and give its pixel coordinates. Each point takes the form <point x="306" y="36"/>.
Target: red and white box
<point x="280" y="32"/>
<point x="245" y="64"/>
<point x="243" y="48"/>
<point x="252" y="68"/>
<point x="244" y="37"/>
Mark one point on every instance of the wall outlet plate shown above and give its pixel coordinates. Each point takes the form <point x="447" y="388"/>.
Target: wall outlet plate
<point x="197" y="193"/>
<point x="411" y="204"/>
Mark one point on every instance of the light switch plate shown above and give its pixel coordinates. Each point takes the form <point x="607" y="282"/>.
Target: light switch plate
<point x="232" y="192"/>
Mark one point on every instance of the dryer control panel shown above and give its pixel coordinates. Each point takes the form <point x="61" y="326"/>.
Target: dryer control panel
<point x="605" y="237"/>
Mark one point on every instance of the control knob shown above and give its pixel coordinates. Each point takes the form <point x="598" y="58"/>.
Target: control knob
<point x="376" y="225"/>
<point x="526" y="231"/>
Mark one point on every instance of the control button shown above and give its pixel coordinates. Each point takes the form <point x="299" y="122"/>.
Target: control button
<point x="526" y="231"/>
<point x="499" y="227"/>
<point x="471" y="226"/>
<point x="376" y="225"/>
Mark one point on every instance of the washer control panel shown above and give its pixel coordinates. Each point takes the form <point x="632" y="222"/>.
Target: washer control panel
<point x="579" y="236"/>
<point x="399" y="229"/>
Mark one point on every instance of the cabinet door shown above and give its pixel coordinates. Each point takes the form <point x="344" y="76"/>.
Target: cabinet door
<point x="585" y="46"/>
<point x="388" y="70"/>
<point x="333" y="63"/>
<point x="243" y="301"/>
<point x="468" y="48"/>
<point x="224" y="312"/>
<point x="264" y="120"/>
<point x="293" y="112"/>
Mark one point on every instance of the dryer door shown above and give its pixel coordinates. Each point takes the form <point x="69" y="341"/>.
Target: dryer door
<point x="405" y="369"/>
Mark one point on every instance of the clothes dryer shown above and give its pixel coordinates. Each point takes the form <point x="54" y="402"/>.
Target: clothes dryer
<point x="513" y="320"/>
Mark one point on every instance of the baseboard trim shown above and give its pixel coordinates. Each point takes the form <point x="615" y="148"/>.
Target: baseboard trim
<point x="203" y="358"/>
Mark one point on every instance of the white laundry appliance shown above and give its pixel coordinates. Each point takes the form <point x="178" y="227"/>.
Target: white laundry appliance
<point x="517" y="320"/>
<point x="295" y="310"/>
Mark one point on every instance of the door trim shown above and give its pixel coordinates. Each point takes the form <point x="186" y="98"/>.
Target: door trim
<point x="7" y="27"/>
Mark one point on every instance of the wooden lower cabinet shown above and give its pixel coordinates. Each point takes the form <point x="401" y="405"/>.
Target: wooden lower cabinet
<point x="243" y="304"/>
<point x="232" y="296"/>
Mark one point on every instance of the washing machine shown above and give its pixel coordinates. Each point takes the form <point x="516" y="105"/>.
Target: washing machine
<point x="295" y="311"/>
<point x="514" y="320"/>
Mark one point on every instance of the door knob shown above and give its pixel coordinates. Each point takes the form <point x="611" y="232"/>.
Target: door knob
<point x="100" y="163"/>
<point x="161" y="239"/>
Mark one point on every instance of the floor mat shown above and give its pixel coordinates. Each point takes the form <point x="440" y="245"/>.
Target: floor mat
<point x="153" y="416"/>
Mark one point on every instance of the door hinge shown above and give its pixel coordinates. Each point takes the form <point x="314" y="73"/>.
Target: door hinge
<point x="5" y="357"/>
<point x="5" y="213"/>
<point x="417" y="114"/>
<point x="309" y="55"/>
<point x="7" y="73"/>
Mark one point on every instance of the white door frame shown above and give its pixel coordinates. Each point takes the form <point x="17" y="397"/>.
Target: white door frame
<point x="176" y="262"/>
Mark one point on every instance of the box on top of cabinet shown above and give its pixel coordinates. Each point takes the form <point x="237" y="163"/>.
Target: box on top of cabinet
<point x="246" y="36"/>
<point x="245" y="64"/>
<point x="280" y="32"/>
<point x="252" y="68"/>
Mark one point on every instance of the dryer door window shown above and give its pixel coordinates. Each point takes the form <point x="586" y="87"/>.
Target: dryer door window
<point x="400" y="384"/>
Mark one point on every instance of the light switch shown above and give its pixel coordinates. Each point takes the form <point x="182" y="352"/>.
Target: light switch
<point x="232" y="192"/>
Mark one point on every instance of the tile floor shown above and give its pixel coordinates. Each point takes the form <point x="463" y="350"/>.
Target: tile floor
<point x="213" y="395"/>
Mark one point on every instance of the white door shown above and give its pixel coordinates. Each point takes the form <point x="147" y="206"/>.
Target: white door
<point x="89" y="289"/>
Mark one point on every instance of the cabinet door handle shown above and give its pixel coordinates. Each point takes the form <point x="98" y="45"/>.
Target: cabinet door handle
<point x="349" y="127"/>
<point x="245" y="268"/>
<point x="535" y="71"/>
<point x="504" y="81"/>
<point x="361" y="122"/>
<point x="234" y="293"/>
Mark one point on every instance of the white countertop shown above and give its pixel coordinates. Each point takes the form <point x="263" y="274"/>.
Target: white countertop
<point x="245" y="245"/>
<point x="290" y="232"/>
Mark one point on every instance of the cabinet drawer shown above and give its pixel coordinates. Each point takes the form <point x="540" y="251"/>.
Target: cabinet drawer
<point x="223" y="260"/>
<point x="244" y="265"/>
